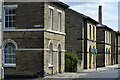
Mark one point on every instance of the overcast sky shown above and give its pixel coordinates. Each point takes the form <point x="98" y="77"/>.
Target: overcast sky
<point x="90" y="8"/>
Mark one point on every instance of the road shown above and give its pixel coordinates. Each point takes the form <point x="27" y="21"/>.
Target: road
<point x="114" y="73"/>
<point x="101" y="74"/>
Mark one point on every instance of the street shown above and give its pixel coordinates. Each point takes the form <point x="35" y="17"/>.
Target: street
<point x="105" y="74"/>
<point x="109" y="73"/>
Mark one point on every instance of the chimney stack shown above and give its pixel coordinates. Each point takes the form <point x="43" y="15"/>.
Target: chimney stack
<point x="100" y="14"/>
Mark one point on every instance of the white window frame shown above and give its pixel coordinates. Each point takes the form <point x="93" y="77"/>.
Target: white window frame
<point x="50" y="55"/>
<point x="50" y="19"/>
<point x="59" y="10"/>
<point x="50" y="7"/>
<point x="9" y="7"/>
<point x="9" y="64"/>
<point x="106" y="37"/>
<point x="93" y="33"/>
<point x="59" y="21"/>
<point x="109" y="37"/>
<point x="16" y="47"/>
<point x="90" y="31"/>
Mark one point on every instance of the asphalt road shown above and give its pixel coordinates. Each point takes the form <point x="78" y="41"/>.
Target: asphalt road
<point x="113" y="73"/>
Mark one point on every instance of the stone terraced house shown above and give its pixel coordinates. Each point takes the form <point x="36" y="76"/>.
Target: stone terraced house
<point x="103" y="46"/>
<point x="90" y="42"/>
<point x="81" y="38"/>
<point x="37" y="34"/>
<point x="34" y="38"/>
<point x="118" y="47"/>
<point x="114" y="55"/>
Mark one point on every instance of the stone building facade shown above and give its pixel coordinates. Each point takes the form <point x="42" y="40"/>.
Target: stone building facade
<point x="74" y="40"/>
<point x="114" y="54"/>
<point x="103" y="46"/>
<point x="34" y="38"/>
<point x="81" y="38"/>
<point x="90" y="42"/>
<point x="118" y="47"/>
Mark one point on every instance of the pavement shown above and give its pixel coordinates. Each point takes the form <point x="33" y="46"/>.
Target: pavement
<point x="104" y="72"/>
<point x="83" y="72"/>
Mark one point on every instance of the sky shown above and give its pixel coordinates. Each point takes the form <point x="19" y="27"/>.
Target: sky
<point x="90" y="8"/>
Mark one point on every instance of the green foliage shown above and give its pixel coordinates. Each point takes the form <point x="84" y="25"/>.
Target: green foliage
<point x="71" y="61"/>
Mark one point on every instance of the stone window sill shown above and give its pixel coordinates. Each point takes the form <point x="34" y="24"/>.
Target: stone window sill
<point x="50" y="65"/>
<point x="9" y="65"/>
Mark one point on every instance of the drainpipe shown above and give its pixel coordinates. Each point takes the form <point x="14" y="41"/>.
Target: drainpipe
<point x="2" y="69"/>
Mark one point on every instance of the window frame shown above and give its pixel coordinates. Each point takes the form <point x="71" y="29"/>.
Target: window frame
<point x="89" y="31"/>
<point x="50" y="55"/>
<point x="59" y="21"/>
<point x="50" y="18"/>
<point x="106" y="37"/>
<point x="93" y="33"/>
<point x="8" y="54"/>
<point x="13" y="15"/>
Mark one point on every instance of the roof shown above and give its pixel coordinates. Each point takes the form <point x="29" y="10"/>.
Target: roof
<point x="104" y="26"/>
<point x="90" y="19"/>
<point x="118" y="32"/>
<point x="50" y="1"/>
<point x="61" y="4"/>
<point x="85" y="17"/>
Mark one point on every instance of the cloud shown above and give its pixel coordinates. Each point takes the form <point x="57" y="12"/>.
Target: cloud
<point x="91" y="10"/>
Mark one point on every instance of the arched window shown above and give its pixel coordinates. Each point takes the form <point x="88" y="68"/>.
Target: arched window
<point x="50" y="54"/>
<point x="9" y="54"/>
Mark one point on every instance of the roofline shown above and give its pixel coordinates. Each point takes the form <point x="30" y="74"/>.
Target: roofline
<point x="60" y="3"/>
<point x="106" y="27"/>
<point x="90" y="19"/>
<point x="85" y="17"/>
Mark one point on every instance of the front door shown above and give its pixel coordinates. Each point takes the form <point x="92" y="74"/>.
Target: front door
<point x="59" y="60"/>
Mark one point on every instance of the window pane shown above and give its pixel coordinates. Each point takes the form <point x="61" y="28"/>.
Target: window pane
<point x="90" y="31"/>
<point x="10" y="60"/>
<point x="13" y="18"/>
<point x="6" y="56"/>
<point x="6" y="11"/>
<point x="13" y="24"/>
<point x="10" y="11"/>
<point x="10" y="18"/>
<point x="10" y="53"/>
<point x="6" y="24"/>
<point x="51" y="18"/>
<point x="6" y="18"/>
<point x="7" y="60"/>
<point x="14" y="61"/>
<point x="13" y="11"/>
<point x="59" y="21"/>
<point x="10" y="24"/>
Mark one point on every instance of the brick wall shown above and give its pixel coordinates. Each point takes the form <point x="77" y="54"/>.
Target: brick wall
<point x="75" y="35"/>
<point x="55" y="38"/>
<point x="32" y="55"/>
<point x="28" y="14"/>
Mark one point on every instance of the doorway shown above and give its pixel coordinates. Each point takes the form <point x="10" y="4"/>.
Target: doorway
<point x="59" y="59"/>
<point x="90" y="56"/>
